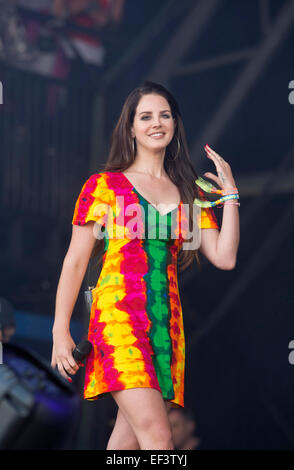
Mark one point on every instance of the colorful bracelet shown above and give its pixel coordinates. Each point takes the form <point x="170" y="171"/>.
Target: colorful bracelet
<point x="232" y="203"/>
<point x="208" y="187"/>
<point x="227" y="191"/>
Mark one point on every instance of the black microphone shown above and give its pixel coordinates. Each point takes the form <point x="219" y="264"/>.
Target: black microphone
<point x="82" y="350"/>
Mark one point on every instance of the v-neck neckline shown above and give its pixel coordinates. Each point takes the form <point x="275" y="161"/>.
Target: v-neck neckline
<point x="148" y="202"/>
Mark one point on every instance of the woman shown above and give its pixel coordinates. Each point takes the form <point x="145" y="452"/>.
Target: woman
<point x="136" y="323"/>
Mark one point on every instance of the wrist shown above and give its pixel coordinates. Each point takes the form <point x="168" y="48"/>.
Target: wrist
<point x="59" y="328"/>
<point x="230" y="188"/>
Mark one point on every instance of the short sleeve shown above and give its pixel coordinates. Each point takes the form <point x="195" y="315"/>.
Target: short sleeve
<point x="92" y="202"/>
<point x="208" y="217"/>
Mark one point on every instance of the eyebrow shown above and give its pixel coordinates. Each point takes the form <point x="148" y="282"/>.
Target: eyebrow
<point x="151" y="111"/>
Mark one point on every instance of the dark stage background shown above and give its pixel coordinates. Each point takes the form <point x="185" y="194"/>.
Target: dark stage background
<point x="229" y="64"/>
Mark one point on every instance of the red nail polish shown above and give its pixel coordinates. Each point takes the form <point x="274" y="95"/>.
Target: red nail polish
<point x="69" y="379"/>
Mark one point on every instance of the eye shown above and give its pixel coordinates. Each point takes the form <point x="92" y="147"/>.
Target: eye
<point x="165" y="115"/>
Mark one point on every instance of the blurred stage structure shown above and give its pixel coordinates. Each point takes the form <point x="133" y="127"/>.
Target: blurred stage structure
<point x="38" y="408"/>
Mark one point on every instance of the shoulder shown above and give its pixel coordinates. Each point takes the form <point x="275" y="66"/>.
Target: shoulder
<point x="91" y="200"/>
<point x="103" y="176"/>
<point x="109" y="182"/>
<point x="96" y="180"/>
<point x="95" y="186"/>
<point x="95" y="177"/>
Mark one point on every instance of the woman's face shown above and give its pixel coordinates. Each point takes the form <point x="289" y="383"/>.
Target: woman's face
<point x="153" y="115"/>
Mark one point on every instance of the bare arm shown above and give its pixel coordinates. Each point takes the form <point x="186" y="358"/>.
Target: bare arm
<point x="221" y="247"/>
<point x="73" y="271"/>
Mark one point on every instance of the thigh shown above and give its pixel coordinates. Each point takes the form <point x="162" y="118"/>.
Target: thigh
<point x="123" y="433"/>
<point x="168" y="404"/>
<point x="123" y="424"/>
<point x="140" y="407"/>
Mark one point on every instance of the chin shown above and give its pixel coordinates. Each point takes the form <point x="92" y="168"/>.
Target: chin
<point x="156" y="147"/>
<point x="162" y="147"/>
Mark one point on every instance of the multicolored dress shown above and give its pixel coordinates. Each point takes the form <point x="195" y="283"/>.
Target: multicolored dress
<point x="136" y="322"/>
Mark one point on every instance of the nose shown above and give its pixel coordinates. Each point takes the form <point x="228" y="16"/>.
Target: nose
<point x="156" y="121"/>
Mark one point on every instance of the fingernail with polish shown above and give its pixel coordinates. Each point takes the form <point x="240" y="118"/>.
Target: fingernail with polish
<point x="70" y="380"/>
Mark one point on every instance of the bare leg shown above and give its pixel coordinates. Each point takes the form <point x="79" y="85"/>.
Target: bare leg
<point x="145" y="411"/>
<point x="123" y="436"/>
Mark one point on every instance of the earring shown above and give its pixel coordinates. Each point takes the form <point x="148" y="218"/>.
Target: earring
<point x="179" y="147"/>
<point x="133" y="145"/>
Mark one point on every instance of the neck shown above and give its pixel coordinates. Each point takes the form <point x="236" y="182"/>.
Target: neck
<point x="149" y="162"/>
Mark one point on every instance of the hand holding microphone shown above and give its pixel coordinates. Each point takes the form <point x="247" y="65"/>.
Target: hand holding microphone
<point x="80" y="352"/>
<point x="67" y="356"/>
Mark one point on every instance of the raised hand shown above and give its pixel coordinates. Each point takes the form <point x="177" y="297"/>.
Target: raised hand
<point x="225" y="178"/>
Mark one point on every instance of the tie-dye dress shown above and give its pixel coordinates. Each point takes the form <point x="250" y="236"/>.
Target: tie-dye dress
<point x="136" y="321"/>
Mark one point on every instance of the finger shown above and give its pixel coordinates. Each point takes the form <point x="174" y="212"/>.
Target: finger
<point x="216" y="180"/>
<point x="72" y="362"/>
<point x="53" y="360"/>
<point x="70" y="368"/>
<point x="75" y="365"/>
<point x="62" y="370"/>
<point x="213" y="177"/>
<point x="212" y="153"/>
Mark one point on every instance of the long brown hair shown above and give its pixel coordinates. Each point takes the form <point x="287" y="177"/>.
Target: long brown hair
<point x="180" y="170"/>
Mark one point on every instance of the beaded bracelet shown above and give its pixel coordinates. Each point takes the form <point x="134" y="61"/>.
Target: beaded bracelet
<point x="232" y="203"/>
<point x="227" y="194"/>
